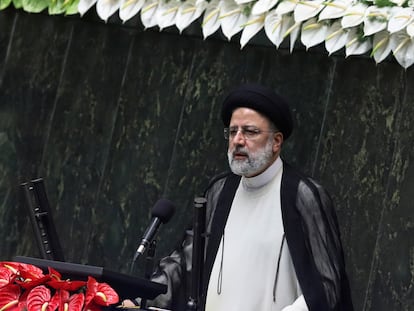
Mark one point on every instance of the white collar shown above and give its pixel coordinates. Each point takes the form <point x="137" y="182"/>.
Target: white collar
<point x="253" y="183"/>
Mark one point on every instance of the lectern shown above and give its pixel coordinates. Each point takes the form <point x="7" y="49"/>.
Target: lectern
<point x="125" y="285"/>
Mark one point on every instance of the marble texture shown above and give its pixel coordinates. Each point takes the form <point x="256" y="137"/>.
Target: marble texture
<point x="114" y="118"/>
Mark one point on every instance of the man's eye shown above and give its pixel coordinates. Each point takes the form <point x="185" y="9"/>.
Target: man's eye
<point x="233" y="132"/>
<point x="250" y="133"/>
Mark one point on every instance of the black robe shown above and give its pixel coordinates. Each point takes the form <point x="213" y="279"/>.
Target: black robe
<point x="312" y="234"/>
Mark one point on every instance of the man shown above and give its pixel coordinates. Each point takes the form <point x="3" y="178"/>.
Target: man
<point x="273" y="239"/>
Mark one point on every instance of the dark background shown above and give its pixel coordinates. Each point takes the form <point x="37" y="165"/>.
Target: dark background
<point x="114" y="117"/>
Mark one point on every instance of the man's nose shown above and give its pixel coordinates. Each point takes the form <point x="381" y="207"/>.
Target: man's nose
<point x="239" y="138"/>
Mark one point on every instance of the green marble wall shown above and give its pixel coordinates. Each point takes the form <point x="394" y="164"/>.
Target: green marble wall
<point x="114" y="117"/>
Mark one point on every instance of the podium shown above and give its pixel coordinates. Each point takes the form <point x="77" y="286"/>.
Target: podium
<point x="127" y="287"/>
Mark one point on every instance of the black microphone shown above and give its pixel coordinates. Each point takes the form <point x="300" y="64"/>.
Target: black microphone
<point x="161" y="213"/>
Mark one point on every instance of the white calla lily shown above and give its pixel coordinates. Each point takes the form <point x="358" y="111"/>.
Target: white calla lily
<point x="240" y="2"/>
<point x="410" y="29"/>
<point x="334" y="9"/>
<point x="375" y="20"/>
<point x="356" y="25"/>
<point x="106" y="8"/>
<point x="148" y="16"/>
<point x="253" y="26"/>
<point x="276" y="25"/>
<point x="313" y="32"/>
<point x="129" y="8"/>
<point x="211" y="21"/>
<point x="231" y="18"/>
<point x="305" y="10"/>
<point x="398" y="2"/>
<point x="286" y="6"/>
<point x="293" y="32"/>
<point x="85" y="5"/>
<point x="337" y="37"/>
<point x="188" y="12"/>
<point x="262" y="6"/>
<point x="357" y="45"/>
<point x="402" y="46"/>
<point x="400" y="18"/>
<point x="166" y="13"/>
<point x="381" y="46"/>
<point x="354" y="15"/>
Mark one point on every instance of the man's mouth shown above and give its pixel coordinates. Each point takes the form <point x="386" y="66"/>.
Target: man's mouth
<point x="240" y="156"/>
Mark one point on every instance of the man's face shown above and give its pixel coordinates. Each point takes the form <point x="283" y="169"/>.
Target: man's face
<point x="250" y="155"/>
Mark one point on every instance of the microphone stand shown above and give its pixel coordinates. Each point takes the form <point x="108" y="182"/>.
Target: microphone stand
<point x="199" y="220"/>
<point x="149" y="266"/>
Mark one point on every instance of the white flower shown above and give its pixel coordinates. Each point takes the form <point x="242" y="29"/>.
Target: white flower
<point x="148" y="17"/>
<point x="313" y="32"/>
<point x="305" y="10"/>
<point x="242" y="1"/>
<point x="355" y="46"/>
<point x="253" y="26"/>
<point x="334" y="9"/>
<point x="262" y="6"/>
<point x="276" y="26"/>
<point x="231" y="18"/>
<point x="381" y="46"/>
<point x="166" y="13"/>
<point x="129" y="8"/>
<point x="211" y="22"/>
<point x="400" y="18"/>
<point x="375" y="20"/>
<point x="410" y="29"/>
<point x="188" y="12"/>
<point x="105" y="8"/>
<point x="286" y="6"/>
<point x="85" y="5"/>
<point x="402" y="46"/>
<point x="354" y="15"/>
<point x="337" y="38"/>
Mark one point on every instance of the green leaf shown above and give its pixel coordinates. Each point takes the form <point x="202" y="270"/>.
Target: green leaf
<point x="72" y="7"/>
<point x="17" y="4"/>
<point x="56" y="7"/>
<point x="4" y="4"/>
<point x="35" y="6"/>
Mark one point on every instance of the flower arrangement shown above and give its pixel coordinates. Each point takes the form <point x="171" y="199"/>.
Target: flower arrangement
<point x="26" y="287"/>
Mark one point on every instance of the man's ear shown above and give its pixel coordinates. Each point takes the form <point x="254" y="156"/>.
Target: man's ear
<point x="277" y="141"/>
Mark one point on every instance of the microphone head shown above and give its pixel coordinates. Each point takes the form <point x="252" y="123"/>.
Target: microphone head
<point x="163" y="209"/>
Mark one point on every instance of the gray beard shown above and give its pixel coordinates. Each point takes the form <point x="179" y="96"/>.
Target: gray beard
<point x="255" y="162"/>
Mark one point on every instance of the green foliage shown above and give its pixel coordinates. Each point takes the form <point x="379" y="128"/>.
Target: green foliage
<point x="383" y="3"/>
<point x="4" y="4"/>
<point x="35" y="6"/>
<point x="67" y="7"/>
<point x="72" y="7"/>
<point x="17" y="4"/>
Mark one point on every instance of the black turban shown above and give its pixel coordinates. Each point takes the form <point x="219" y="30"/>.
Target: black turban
<point x="263" y="100"/>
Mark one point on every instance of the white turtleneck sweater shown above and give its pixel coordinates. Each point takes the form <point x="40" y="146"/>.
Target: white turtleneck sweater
<point x="244" y="271"/>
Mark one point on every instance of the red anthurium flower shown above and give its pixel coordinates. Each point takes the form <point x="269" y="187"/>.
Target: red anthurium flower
<point x="39" y="299"/>
<point x="29" y="283"/>
<point x="30" y="272"/>
<point x="70" y="303"/>
<point x="91" y="290"/>
<point x="9" y="297"/>
<point x="13" y="266"/>
<point x="105" y="295"/>
<point x="66" y="285"/>
<point x="6" y="276"/>
<point x="92" y="307"/>
<point x="54" y="274"/>
<point x="100" y="293"/>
